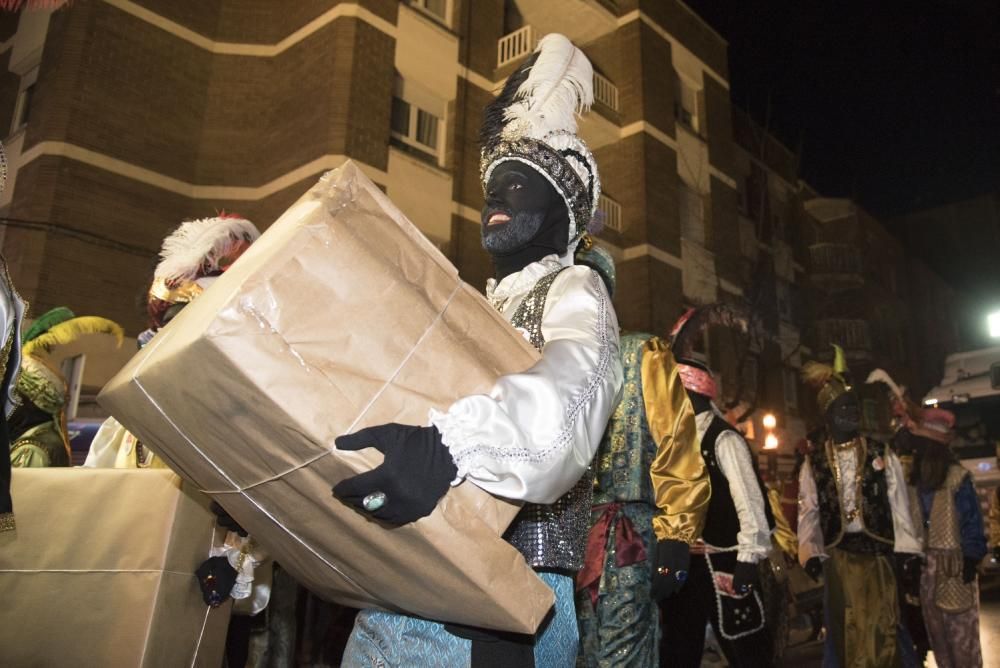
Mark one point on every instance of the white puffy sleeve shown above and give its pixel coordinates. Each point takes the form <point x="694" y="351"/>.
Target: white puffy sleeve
<point x="535" y="433"/>
<point x="106" y="445"/>
<point x="906" y="540"/>
<point x="754" y="537"/>
<point x="810" y="533"/>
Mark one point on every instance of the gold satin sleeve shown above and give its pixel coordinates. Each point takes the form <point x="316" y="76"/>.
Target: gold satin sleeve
<point x="680" y="480"/>
<point x="783" y="534"/>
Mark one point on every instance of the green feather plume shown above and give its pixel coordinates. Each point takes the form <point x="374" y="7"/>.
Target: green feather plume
<point x="70" y="330"/>
<point x="46" y="321"/>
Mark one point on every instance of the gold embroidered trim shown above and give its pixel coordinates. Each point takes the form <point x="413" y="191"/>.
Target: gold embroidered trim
<point x="7" y="522"/>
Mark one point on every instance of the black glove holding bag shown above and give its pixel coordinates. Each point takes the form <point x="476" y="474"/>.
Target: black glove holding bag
<point x="746" y="577"/>
<point x="416" y="473"/>
<point x="814" y="568"/>
<point x="908" y="572"/>
<point x="216" y="578"/>
<point x="670" y="562"/>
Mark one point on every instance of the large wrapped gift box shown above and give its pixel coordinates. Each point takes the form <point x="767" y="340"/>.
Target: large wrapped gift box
<point x="100" y="571"/>
<point x="341" y="316"/>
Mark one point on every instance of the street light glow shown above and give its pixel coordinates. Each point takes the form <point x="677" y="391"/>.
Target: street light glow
<point x="771" y="442"/>
<point x="769" y="421"/>
<point x="993" y="320"/>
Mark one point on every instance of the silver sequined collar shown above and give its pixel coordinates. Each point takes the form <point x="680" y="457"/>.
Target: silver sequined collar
<point x="519" y="284"/>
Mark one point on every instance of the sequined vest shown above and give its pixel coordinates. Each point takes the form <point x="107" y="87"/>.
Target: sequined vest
<point x="722" y="523"/>
<point x="876" y="512"/>
<point x="943" y="531"/>
<point x="550" y="536"/>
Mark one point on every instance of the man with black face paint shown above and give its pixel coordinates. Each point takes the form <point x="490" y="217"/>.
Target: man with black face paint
<point x="533" y="436"/>
<point x="524" y="219"/>
<point x="853" y="515"/>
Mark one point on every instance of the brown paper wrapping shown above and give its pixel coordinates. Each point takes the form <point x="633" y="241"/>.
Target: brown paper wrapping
<point x="100" y="572"/>
<point x="340" y="317"/>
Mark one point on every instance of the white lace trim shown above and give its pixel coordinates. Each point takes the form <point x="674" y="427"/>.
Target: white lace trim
<point x="454" y="432"/>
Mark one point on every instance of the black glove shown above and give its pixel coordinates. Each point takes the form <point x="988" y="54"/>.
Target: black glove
<point x="670" y="562"/>
<point x="908" y="571"/>
<point x="416" y="473"/>
<point x="814" y="568"/>
<point x="970" y="568"/>
<point x="226" y="521"/>
<point x="746" y="577"/>
<point x="216" y="578"/>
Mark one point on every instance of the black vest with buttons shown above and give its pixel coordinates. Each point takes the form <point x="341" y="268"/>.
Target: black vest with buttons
<point x="722" y="523"/>
<point x="877" y="533"/>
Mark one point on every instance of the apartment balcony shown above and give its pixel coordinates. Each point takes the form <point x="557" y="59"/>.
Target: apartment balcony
<point x="835" y="266"/>
<point x="605" y="92"/>
<point x="582" y="21"/>
<point x="517" y="45"/>
<point x="612" y="212"/>
<point x="852" y="335"/>
<point x="598" y="128"/>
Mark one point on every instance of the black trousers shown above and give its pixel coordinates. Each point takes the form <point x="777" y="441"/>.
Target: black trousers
<point x="683" y="617"/>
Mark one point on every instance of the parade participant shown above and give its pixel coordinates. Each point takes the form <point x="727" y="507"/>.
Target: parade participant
<point x="914" y="642"/>
<point x="943" y="497"/>
<point x="12" y="309"/>
<point x="192" y="257"/>
<point x="724" y="581"/>
<point x="650" y="498"/>
<point x="38" y="426"/>
<point x="853" y="515"/>
<point x="11" y="315"/>
<point x="534" y="435"/>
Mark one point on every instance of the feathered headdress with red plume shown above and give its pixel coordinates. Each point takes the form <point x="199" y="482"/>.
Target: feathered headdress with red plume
<point x="193" y="255"/>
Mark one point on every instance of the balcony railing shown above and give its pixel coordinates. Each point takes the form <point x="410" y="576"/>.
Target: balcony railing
<point x="852" y="335"/>
<point x="830" y="258"/>
<point x="516" y="45"/>
<point x="605" y="92"/>
<point x="612" y="211"/>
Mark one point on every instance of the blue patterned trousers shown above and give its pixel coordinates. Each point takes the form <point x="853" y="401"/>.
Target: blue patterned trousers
<point x="389" y="640"/>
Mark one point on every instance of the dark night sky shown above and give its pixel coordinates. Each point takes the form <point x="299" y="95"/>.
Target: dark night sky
<point x="896" y="104"/>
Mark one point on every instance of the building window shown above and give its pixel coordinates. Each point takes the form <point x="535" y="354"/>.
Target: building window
<point x="686" y="104"/>
<point x="436" y="8"/>
<point x="692" y="214"/>
<point x="415" y="128"/>
<point x="23" y="110"/>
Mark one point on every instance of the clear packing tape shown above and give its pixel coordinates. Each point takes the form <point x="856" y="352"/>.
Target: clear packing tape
<point x="343" y="315"/>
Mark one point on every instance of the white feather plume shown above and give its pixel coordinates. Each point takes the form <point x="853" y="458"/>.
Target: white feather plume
<point x="559" y="85"/>
<point x="881" y="376"/>
<point x="197" y="241"/>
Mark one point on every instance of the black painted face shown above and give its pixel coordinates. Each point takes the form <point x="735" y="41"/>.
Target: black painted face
<point x="844" y="415"/>
<point x="522" y="208"/>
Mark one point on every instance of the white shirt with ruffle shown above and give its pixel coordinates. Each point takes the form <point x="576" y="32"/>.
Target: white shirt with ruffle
<point x="536" y="432"/>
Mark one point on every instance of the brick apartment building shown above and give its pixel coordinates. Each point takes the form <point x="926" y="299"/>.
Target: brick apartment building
<point x="128" y="116"/>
